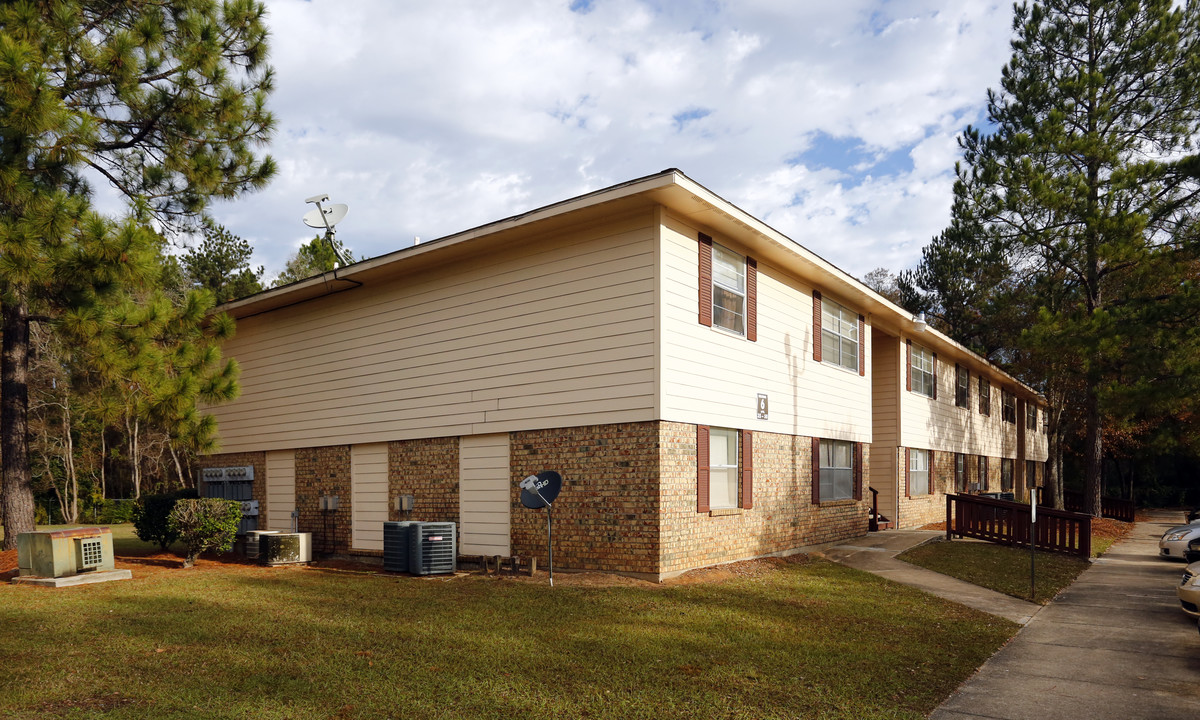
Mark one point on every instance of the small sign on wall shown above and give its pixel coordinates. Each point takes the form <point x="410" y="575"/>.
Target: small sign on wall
<point x="762" y="406"/>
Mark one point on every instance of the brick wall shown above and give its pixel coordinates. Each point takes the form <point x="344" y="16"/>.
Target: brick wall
<point x="324" y="471"/>
<point x="782" y="517"/>
<point x="606" y="517"/>
<point x="428" y="470"/>
<point x="257" y="460"/>
<point x="921" y="510"/>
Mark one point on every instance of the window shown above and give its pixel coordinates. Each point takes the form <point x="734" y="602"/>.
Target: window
<point x="921" y="371"/>
<point x="839" y="335"/>
<point x="1031" y="473"/>
<point x="983" y="473"/>
<point x="1006" y="475"/>
<point x="1010" y="406"/>
<point x="985" y="396"/>
<point x="962" y="386"/>
<point x="721" y="481"/>
<point x="729" y="290"/>
<point x="722" y="468"/>
<point x="837" y="470"/>
<point x="960" y="473"/>
<point x="918" y="472"/>
<point x="728" y="286"/>
<point x="1031" y="417"/>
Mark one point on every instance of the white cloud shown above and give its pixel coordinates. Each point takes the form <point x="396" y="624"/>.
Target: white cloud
<point x="430" y="118"/>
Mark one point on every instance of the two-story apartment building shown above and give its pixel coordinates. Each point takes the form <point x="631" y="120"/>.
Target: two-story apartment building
<point x="709" y="389"/>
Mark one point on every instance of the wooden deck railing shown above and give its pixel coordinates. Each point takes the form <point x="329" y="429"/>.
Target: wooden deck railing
<point x="1007" y="523"/>
<point x="1109" y="507"/>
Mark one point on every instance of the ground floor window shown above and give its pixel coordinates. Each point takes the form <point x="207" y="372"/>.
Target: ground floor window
<point x="722" y="468"/>
<point x="1031" y="473"/>
<point x="918" y="472"/>
<point x="837" y="470"/>
<point x="1006" y="475"/>
<point x="983" y="473"/>
<point x="960" y="473"/>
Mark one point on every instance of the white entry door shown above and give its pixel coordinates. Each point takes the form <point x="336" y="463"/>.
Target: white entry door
<point x="484" y="507"/>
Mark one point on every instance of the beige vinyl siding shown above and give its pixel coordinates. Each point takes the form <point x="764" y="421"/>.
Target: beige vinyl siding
<point x="712" y="377"/>
<point x="281" y="489"/>
<point x="885" y="437"/>
<point x="1037" y="445"/>
<point x="484" y="495"/>
<point x="941" y="425"/>
<point x="368" y="495"/>
<point x="557" y="331"/>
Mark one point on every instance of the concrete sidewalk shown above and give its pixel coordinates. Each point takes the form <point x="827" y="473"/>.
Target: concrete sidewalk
<point x="876" y="553"/>
<point x="1112" y="645"/>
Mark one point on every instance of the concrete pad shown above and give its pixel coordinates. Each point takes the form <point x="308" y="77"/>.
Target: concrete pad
<point x="73" y="580"/>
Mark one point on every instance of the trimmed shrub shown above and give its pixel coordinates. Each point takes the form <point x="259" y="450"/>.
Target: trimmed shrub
<point x="205" y="524"/>
<point x="151" y="514"/>
<point x="114" y="511"/>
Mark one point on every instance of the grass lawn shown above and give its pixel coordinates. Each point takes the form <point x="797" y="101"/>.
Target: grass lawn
<point x="998" y="567"/>
<point x="767" y="639"/>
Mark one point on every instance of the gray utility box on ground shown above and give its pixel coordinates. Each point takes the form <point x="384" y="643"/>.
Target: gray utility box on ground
<point x="397" y="539"/>
<point x="420" y="548"/>
<point x="285" y="548"/>
<point x="59" y="553"/>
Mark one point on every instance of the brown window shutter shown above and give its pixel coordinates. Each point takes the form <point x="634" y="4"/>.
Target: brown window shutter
<point x="907" y="464"/>
<point x="817" y="325"/>
<point x="702" y="459"/>
<point x="935" y="376"/>
<point x="751" y="299"/>
<point x="932" y="474"/>
<point x="747" y="469"/>
<point x="858" y="471"/>
<point x="862" y="346"/>
<point x="908" y="365"/>
<point x="706" y="280"/>
<point x="816" y="471"/>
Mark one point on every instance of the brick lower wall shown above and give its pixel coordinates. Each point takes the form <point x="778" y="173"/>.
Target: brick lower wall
<point x="427" y="470"/>
<point x="606" y="517"/>
<point x="324" y="471"/>
<point x="782" y="517"/>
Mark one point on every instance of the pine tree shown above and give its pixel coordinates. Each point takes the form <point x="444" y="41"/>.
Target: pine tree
<point x="1088" y="181"/>
<point x="221" y="264"/>
<point x="314" y="257"/>
<point x="163" y="100"/>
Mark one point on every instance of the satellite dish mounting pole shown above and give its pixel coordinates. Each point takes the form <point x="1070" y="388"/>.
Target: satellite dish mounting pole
<point x="326" y="218"/>
<point x="549" y="531"/>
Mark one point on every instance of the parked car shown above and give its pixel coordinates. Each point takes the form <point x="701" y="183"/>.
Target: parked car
<point x="1174" y="542"/>
<point x="1193" y="515"/>
<point x="1192" y="554"/>
<point x="1189" y="590"/>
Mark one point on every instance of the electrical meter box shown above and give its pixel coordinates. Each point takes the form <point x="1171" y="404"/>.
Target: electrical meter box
<point x="61" y="553"/>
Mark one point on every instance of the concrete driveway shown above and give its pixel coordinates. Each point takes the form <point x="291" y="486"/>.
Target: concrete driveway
<point x="1112" y="645"/>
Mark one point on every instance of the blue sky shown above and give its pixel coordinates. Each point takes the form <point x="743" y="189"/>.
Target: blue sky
<point x="833" y="122"/>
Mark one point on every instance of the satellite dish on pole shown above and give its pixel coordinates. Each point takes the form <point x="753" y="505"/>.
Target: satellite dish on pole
<point x="540" y="491"/>
<point x="326" y="217"/>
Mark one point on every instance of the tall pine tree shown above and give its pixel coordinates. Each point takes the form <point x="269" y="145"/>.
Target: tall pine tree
<point x="1087" y="179"/>
<point x="165" y="101"/>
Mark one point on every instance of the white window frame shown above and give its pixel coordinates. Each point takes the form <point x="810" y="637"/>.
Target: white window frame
<point x="921" y="370"/>
<point x="1008" y="406"/>
<point x="839" y="331"/>
<point x="918" y="472"/>
<point x="728" y="319"/>
<point x="730" y="472"/>
<point x="833" y="476"/>
<point x="962" y="387"/>
<point x="1031" y="415"/>
<point x="1007" y="474"/>
<point x="961" y="483"/>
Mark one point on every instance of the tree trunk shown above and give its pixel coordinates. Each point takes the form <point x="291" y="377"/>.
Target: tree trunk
<point x="16" y="499"/>
<point x="1054" y="478"/>
<point x="1093" y="452"/>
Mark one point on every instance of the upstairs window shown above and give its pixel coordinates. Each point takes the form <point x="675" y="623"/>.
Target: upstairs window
<point x="839" y="335"/>
<point x="729" y="290"/>
<point x="962" y="386"/>
<point x="921" y="371"/>
<point x="1010" y="406"/>
<point x="985" y="396"/>
<point x="1031" y="414"/>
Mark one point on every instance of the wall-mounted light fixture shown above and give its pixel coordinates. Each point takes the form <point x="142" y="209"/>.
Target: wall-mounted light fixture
<point x="919" y="323"/>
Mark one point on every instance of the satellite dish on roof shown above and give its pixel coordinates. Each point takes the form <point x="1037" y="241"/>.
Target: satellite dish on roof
<point x="326" y="217"/>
